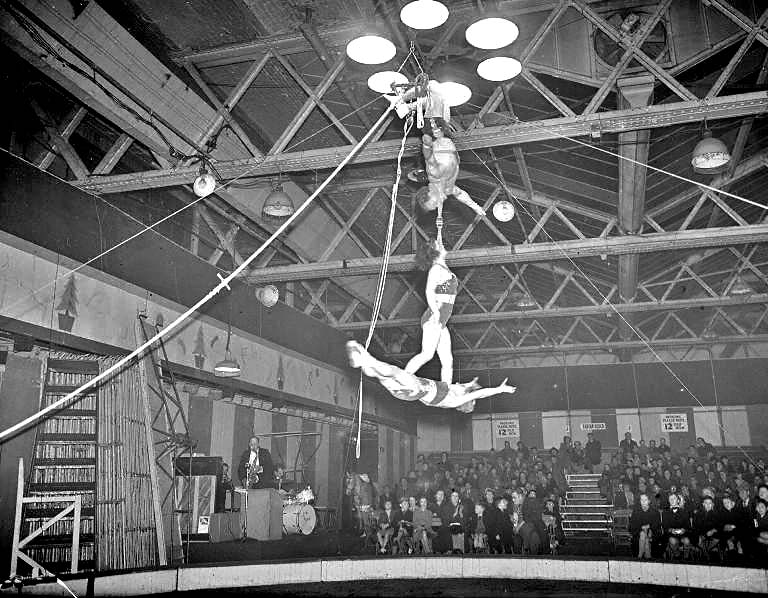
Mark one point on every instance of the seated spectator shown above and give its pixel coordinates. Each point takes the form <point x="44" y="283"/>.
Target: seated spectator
<point x="664" y="448"/>
<point x="760" y="533"/>
<point x="731" y="532"/>
<point x="479" y="530"/>
<point x="456" y="524"/>
<point x="626" y="498"/>
<point x="387" y="522"/>
<point x="441" y="513"/>
<point x="675" y="524"/>
<point x="704" y="448"/>
<point x="386" y="495"/>
<point x="402" y="543"/>
<point x="644" y="525"/>
<point x="422" y="527"/>
<point x="706" y="524"/>
<point x="505" y="529"/>
<point x="550" y="516"/>
<point x="526" y="539"/>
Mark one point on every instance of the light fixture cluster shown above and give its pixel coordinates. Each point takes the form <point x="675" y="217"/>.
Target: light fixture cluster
<point x="492" y="32"/>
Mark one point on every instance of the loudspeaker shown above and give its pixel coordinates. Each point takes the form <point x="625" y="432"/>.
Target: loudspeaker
<point x="225" y="527"/>
<point x="263" y="514"/>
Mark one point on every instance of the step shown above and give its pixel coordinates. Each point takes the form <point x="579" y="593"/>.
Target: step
<point x="579" y="522"/>
<point x="583" y="476"/>
<point x="583" y="485"/>
<point x="583" y="492"/>
<point x="587" y="529"/>
<point x="564" y="508"/>
<point x="583" y="502"/>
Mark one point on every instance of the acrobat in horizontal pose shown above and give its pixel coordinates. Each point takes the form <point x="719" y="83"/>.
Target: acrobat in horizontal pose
<point x="407" y="387"/>
<point x="440" y="293"/>
<point x="442" y="166"/>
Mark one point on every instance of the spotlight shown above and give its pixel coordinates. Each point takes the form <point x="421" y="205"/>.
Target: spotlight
<point x="453" y="82"/>
<point x="740" y="287"/>
<point x="525" y="301"/>
<point x="371" y="49"/>
<point x="204" y="184"/>
<point x="499" y="68"/>
<point x="424" y="14"/>
<point x="492" y="33"/>
<point x="382" y="81"/>
<point x="710" y="156"/>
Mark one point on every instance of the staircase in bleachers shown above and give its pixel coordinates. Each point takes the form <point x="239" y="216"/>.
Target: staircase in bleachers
<point x="586" y="513"/>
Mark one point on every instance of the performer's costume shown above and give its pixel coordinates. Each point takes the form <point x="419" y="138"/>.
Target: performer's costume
<point x="449" y="287"/>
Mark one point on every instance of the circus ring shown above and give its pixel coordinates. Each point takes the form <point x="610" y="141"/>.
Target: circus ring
<point x="405" y="576"/>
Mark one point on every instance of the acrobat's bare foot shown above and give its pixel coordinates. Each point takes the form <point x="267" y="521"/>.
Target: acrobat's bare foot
<point x="356" y="354"/>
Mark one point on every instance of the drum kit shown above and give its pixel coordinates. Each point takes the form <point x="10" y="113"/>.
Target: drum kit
<point x="299" y="515"/>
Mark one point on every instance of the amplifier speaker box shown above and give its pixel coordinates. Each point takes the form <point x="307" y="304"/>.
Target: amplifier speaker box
<point x="225" y="527"/>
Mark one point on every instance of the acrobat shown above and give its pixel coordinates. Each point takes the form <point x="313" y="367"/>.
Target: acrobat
<point x="442" y="167"/>
<point x="407" y="387"/>
<point x="442" y="288"/>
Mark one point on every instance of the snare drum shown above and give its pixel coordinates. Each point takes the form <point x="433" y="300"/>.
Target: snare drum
<point x="299" y="519"/>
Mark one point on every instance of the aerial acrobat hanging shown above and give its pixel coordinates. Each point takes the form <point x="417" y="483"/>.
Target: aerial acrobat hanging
<point x="408" y="387"/>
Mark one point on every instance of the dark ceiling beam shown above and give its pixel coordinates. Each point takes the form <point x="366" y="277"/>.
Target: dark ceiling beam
<point x="292" y="43"/>
<point x="634" y="92"/>
<point x="612" y="121"/>
<point x="571" y="312"/>
<point x="607" y="346"/>
<point x="535" y="252"/>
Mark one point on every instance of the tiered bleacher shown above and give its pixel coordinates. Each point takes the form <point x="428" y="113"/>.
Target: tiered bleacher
<point x="703" y="506"/>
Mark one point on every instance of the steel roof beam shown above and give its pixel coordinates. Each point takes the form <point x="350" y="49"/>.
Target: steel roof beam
<point x="534" y="252"/>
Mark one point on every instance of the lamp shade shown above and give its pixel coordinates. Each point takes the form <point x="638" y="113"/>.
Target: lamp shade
<point x="278" y="204"/>
<point x="371" y="49"/>
<point x="455" y="93"/>
<point x="503" y="210"/>
<point x="740" y="287"/>
<point x="491" y="33"/>
<point x="268" y="295"/>
<point x="710" y="156"/>
<point x="382" y="81"/>
<point x="424" y="14"/>
<point x="525" y="301"/>
<point x="227" y="367"/>
<point x="499" y="68"/>
<point x="204" y="184"/>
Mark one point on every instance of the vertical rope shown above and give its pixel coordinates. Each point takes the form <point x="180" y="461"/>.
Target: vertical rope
<point x="407" y="126"/>
<point x="637" y="399"/>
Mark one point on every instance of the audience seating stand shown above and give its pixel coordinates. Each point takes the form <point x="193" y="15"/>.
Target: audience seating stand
<point x="586" y="514"/>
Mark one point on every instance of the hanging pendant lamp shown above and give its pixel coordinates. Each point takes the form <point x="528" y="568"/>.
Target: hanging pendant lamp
<point x="205" y="183"/>
<point x="424" y="14"/>
<point x="499" y="68"/>
<point x="371" y="49"/>
<point x="227" y="367"/>
<point x="278" y="203"/>
<point x="491" y="33"/>
<point x="382" y="81"/>
<point x="710" y="156"/>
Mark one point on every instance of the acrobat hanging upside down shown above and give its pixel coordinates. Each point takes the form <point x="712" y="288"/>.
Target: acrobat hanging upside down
<point x="408" y="387"/>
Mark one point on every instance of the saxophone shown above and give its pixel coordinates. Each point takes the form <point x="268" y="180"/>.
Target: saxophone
<point x="253" y="474"/>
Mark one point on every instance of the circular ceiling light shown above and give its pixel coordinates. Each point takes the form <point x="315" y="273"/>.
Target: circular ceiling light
<point x="424" y="14"/>
<point x="382" y="81"/>
<point x="710" y="156"/>
<point x="455" y="94"/>
<point x="204" y="184"/>
<point x="371" y="49"/>
<point x="492" y="33"/>
<point x="499" y="68"/>
<point x="503" y="210"/>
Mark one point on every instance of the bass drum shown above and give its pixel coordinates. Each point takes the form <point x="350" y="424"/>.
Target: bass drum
<point x="299" y="519"/>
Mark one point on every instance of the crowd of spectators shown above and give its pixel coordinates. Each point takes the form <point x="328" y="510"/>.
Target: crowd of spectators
<point x="695" y="507"/>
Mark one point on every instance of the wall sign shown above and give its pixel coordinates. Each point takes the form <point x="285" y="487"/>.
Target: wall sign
<point x="589" y="427"/>
<point x="506" y="428"/>
<point x="674" y="422"/>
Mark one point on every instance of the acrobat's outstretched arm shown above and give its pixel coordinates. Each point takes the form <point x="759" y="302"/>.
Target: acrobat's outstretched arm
<point x="464" y="198"/>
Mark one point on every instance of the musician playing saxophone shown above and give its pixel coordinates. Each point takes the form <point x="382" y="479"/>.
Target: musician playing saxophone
<point x="256" y="469"/>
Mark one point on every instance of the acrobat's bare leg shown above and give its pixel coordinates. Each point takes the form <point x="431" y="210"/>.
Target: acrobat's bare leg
<point x="430" y="338"/>
<point x="372" y="367"/>
<point x="445" y="353"/>
<point x="464" y="198"/>
<point x="457" y="399"/>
